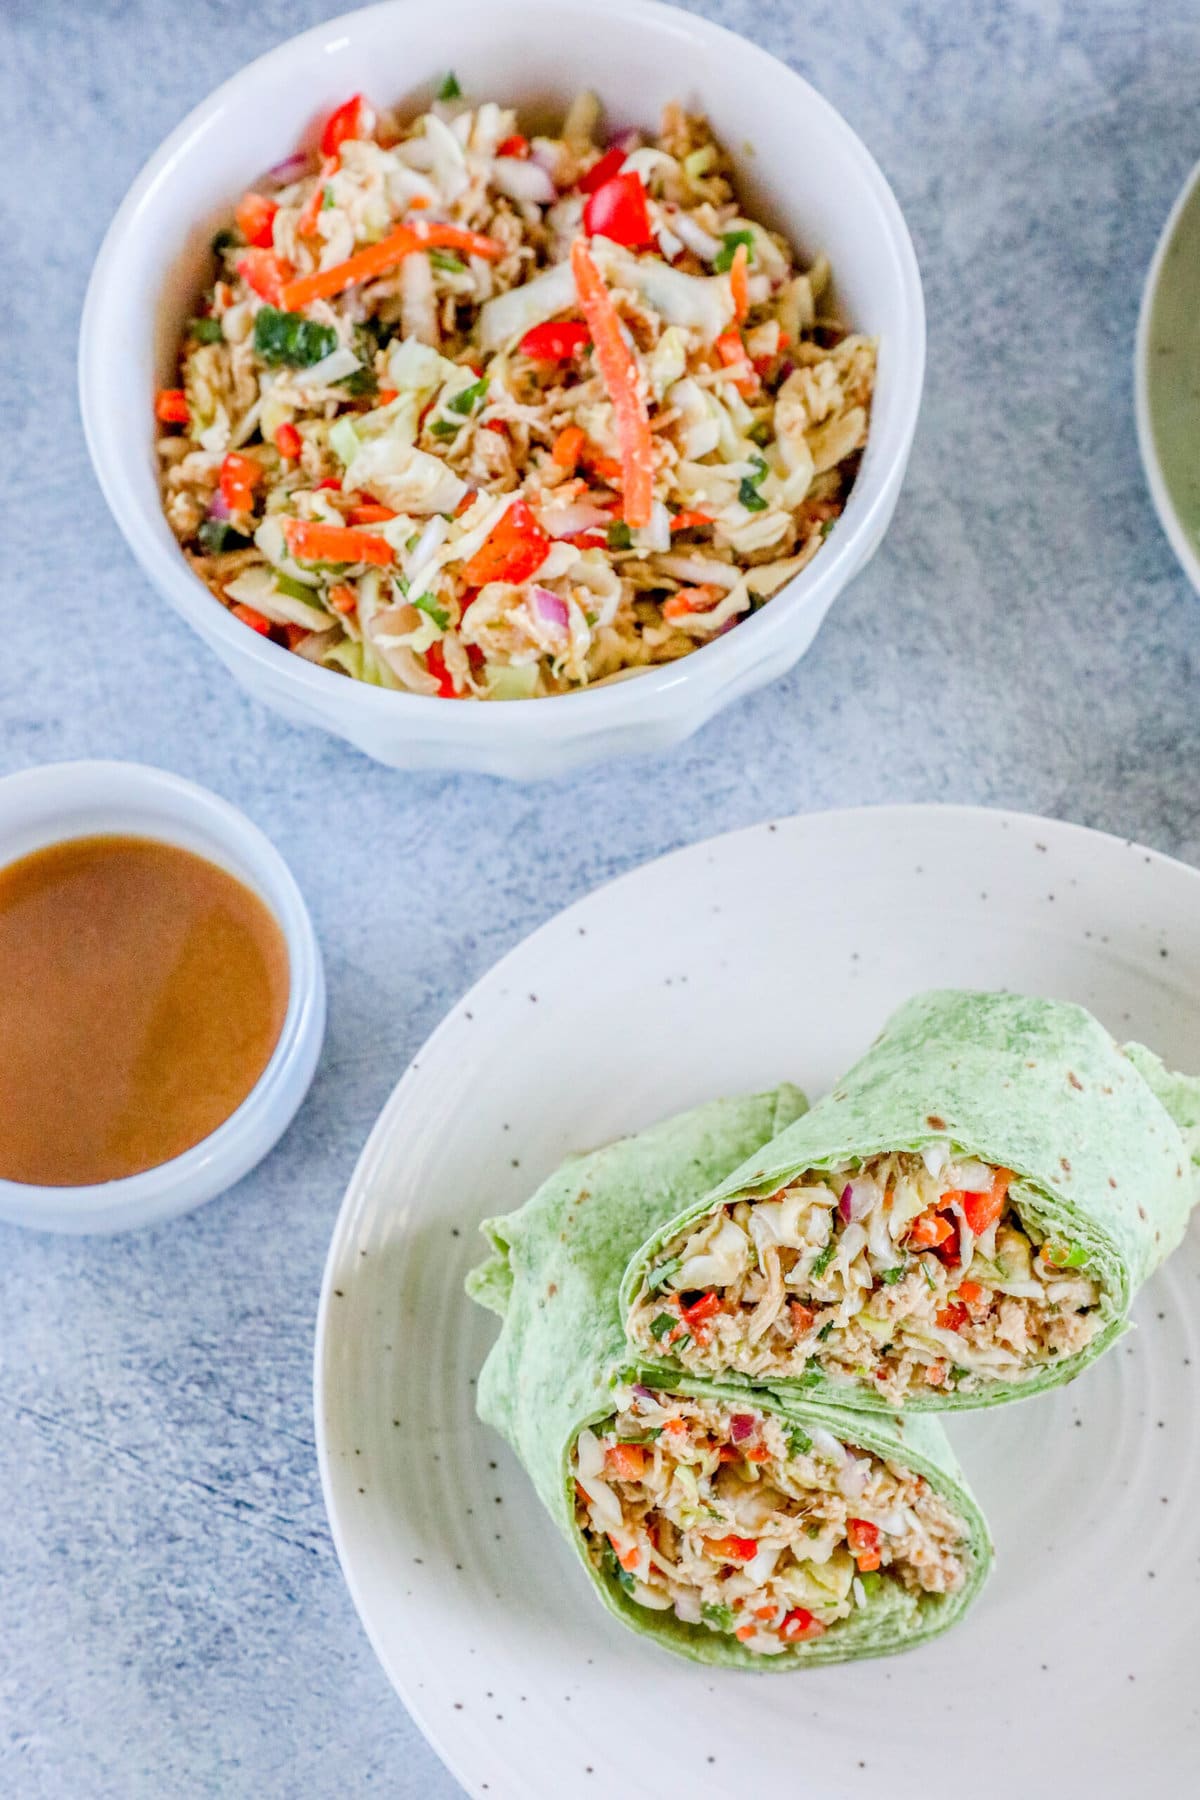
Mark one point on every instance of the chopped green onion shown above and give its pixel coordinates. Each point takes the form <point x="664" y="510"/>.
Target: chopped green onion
<point x="224" y="240"/>
<point x="327" y="200"/>
<point x="660" y="1326"/>
<point x="206" y="331"/>
<point x="291" y="339"/>
<point x="445" y="428"/>
<point x="613" y="1569"/>
<point x="438" y="614"/>
<point x="297" y="590"/>
<point x="890" y="1277"/>
<point x="662" y="1275"/>
<point x="619" y="536"/>
<point x="723" y="261"/>
<point x="825" y="1330"/>
<point x="447" y="262"/>
<point x="748" y="492"/>
<point x="720" y="1616"/>
<point x="872" y="1582"/>
<point x="359" y="382"/>
<point x="798" y="1441"/>
<point x="450" y="89"/>
<point x="463" y="401"/>
<point x="217" y="534"/>
<point x="760" y="433"/>
<point x="1067" y="1256"/>
<point x="958" y="1374"/>
<point x="811" y="1377"/>
<point x="641" y="1437"/>
<point x="827" y="526"/>
<point x="401" y="583"/>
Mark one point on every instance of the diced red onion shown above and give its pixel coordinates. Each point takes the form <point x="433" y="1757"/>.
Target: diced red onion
<point x="550" y="607"/>
<point x="856" y="1199"/>
<point x="727" y="626"/>
<point x="217" y="507"/>
<point x="644" y="1393"/>
<point x="741" y="1426"/>
<point x="786" y="368"/>
<point x="627" y="140"/>
<point x="290" y="169"/>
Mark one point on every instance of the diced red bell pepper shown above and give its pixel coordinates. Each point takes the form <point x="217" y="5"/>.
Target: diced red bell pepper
<point x="627" y="1462"/>
<point x="239" y="477"/>
<point x="602" y="171"/>
<point x="255" y="217"/>
<point x="266" y="273"/>
<point x="514" y="550"/>
<point x="802" y="1316"/>
<point x="970" y="1292"/>
<point x="952" y="1317"/>
<point x="355" y="118"/>
<point x="171" y="407"/>
<point x="435" y="662"/>
<point x="983" y="1210"/>
<point x="861" y="1535"/>
<point x="288" y="441"/>
<point x="556" y="341"/>
<point x="618" y="211"/>
<point x="799" y="1625"/>
<point x="516" y="145"/>
<point x="703" y="1309"/>
<point x="732" y="1549"/>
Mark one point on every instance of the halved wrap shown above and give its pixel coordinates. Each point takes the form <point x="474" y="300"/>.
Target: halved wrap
<point x="963" y="1220"/>
<point x="731" y="1526"/>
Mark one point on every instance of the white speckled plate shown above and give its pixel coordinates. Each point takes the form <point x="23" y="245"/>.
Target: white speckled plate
<point x="775" y="952"/>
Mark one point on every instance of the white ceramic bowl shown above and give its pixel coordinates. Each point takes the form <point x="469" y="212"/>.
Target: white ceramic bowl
<point x="800" y="166"/>
<point x="1166" y="366"/>
<point x="81" y="799"/>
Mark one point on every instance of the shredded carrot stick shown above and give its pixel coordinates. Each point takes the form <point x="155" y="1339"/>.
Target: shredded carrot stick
<point x="343" y="599"/>
<point x="618" y="371"/>
<point x="311" y="541"/>
<point x="306" y="224"/>
<point x="378" y="258"/>
<point x="692" y="600"/>
<point x="687" y="521"/>
<point x="739" y="283"/>
<point x="253" y="619"/>
<point x="568" y="447"/>
<point x="369" y="513"/>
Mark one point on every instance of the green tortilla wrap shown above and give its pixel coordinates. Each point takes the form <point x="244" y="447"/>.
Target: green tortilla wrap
<point x="963" y="1220"/>
<point x="560" y="1370"/>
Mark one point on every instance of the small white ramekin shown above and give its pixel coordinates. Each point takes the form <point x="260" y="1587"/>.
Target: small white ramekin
<point x="82" y="799"/>
<point x="802" y="168"/>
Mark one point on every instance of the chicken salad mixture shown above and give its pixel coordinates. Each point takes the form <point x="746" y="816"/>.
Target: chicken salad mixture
<point x="477" y="414"/>
<point x="746" y="1523"/>
<point x="907" y="1271"/>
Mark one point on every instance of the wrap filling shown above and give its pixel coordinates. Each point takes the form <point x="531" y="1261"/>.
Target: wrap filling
<point x="751" y="1525"/>
<point x="908" y="1270"/>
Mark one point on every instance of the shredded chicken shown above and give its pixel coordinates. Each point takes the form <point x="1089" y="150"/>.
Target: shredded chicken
<point x="741" y="1521"/>
<point x="904" y="1271"/>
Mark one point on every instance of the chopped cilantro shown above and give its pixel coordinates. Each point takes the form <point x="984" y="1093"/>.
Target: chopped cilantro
<point x="640" y="1437"/>
<point x="660" y="1326"/>
<point x="447" y="262"/>
<point x="930" y="1283"/>
<point x="463" y="401"/>
<point x="619" y="536"/>
<point x="798" y="1441"/>
<point x="445" y="428"/>
<point x="723" y="261"/>
<point x="401" y="582"/>
<point x="438" y="614"/>
<point x="823" y="1259"/>
<point x="662" y="1275"/>
<point x="958" y="1374"/>
<point x="450" y="89"/>
<point x="720" y="1616"/>
<point x="359" y="382"/>
<point x="825" y="1330"/>
<point x="205" y="331"/>
<point x="890" y="1277"/>
<point x="290" y="338"/>
<point x="811" y="1377"/>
